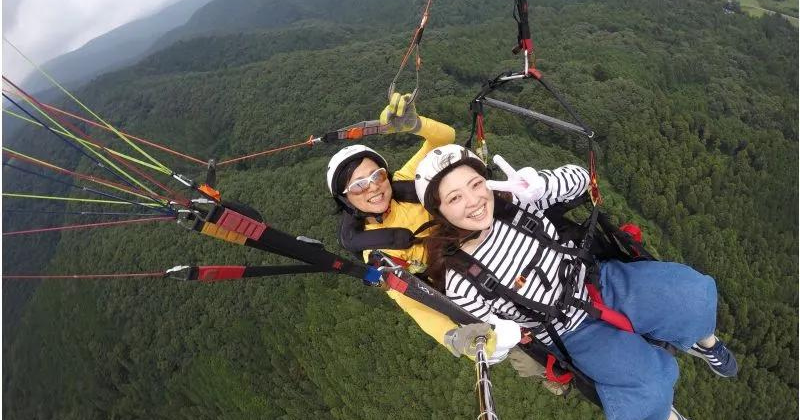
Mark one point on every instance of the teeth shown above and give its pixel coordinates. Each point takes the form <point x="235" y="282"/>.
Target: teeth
<point x="376" y="199"/>
<point x="477" y="213"/>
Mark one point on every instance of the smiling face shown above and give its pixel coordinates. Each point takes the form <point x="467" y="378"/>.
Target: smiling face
<point x="376" y="198"/>
<point x="464" y="199"/>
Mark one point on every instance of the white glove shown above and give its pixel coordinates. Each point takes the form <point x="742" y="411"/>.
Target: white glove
<point x="508" y="335"/>
<point x="526" y="183"/>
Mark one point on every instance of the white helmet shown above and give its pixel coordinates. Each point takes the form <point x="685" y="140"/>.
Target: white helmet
<point x="438" y="162"/>
<point x="345" y="156"/>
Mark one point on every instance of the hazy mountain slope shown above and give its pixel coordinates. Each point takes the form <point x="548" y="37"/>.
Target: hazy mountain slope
<point x="115" y="49"/>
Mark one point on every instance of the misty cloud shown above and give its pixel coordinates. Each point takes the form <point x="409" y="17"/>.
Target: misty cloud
<point x="45" y="29"/>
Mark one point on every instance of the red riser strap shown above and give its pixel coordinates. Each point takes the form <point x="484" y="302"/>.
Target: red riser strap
<point x="607" y="314"/>
<point x="239" y="223"/>
<point x="212" y="273"/>
<point x="396" y="283"/>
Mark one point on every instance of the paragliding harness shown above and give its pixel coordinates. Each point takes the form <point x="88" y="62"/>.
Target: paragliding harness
<point x="605" y="242"/>
<point x="355" y="239"/>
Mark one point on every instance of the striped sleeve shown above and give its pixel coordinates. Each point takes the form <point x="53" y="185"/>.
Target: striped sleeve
<point x="562" y="185"/>
<point x="463" y="294"/>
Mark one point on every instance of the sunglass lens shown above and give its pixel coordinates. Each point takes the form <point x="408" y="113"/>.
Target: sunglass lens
<point x="379" y="176"/>
<point x="359" y="186"/>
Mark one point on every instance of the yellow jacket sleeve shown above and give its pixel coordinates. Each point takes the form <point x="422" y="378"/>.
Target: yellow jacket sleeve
<point x="433" y="323"/>
<point x="435" y="134"/>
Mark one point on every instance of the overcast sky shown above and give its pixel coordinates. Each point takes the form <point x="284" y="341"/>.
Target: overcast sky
<point x="45" y="29"/>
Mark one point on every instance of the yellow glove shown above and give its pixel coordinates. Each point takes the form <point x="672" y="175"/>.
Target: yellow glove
<point x="461" y="340"/>
<point x="400" y="116"/>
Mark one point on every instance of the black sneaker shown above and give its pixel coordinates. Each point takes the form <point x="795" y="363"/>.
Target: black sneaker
<point x="718" y="357"/>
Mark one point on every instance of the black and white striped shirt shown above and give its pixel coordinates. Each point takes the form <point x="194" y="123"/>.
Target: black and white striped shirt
<point x="507" y="251"/>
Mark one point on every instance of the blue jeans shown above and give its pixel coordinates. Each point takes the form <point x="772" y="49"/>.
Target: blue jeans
<point x="667" y="301"/>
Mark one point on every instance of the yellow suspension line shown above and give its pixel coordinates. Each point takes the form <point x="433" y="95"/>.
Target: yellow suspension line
<point x="88" y="143"/>
<point x="66" y="92"/>
<point x="87" y="200"/>
<point x="99" y="155"/>
<point x="90" y="178"/>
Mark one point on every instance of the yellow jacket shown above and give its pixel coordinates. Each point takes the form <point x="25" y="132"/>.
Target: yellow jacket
<point x="411" y="216"/>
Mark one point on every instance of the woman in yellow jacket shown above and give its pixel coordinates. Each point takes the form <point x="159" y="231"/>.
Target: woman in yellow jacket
<point x="359" y="181"/>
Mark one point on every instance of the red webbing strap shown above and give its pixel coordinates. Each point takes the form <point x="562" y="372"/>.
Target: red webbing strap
<point x="399" y="261"/>
<point x="239" y="223"/>
<point x="212" y="273"/>
<point x="551" y="375"/>
<point x="396" y="283"/>
<point x="633" y="230"/>
<point x="526" y="44"/>
<point x="607" y="314"/>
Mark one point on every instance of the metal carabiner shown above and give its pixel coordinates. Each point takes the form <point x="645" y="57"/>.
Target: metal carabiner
<point x="179" y="272"/>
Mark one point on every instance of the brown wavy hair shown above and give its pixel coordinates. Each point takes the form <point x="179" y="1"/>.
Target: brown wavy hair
<point x="445" y="238"/>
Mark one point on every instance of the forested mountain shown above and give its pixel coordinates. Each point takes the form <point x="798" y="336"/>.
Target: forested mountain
<point x="696" y="120"/>
<point x="238" y="16"/>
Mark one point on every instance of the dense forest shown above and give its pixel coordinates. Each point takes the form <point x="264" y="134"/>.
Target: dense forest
<point x="695" y="112"/>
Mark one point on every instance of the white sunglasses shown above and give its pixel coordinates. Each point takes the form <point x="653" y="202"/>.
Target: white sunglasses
<point x="362" y="184"/>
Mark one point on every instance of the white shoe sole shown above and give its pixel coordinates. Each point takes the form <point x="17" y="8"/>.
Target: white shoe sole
<point x="708" y="362"/>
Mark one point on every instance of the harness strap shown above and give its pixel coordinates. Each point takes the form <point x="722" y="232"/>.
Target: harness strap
<point x="218" y="273"/>
<point x="524" y="41"/>
<point x="277" y="242"/>
<point x="607" y="314"/>
<point x="550" y="374"/>
<point x="356" y="131"/>
<point x="490" y="287"/>
<point x="533" y="226"/>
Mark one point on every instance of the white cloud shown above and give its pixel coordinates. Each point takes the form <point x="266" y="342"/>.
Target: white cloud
<point x="45" y="29"/>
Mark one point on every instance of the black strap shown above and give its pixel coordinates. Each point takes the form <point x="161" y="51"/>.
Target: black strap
<point x="354" y="238"/>
<point x="272" y="270"/>
<point x="215" y="273"/>
<point x="551" y="331"/>
<point x="425" y="226"/>
<point x="490" y="287"/>
<point x="211" y="173"/>
<point x="523" y="28"/>
<point x="404" y="192"/>
<point x="587" y="131"/>
<point x="411" y="286"/>
<point x="278" y="242"/>
<point x="533" y="226"/>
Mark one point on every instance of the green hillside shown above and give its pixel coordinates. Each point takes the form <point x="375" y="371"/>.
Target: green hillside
<point x="696" y="116"/>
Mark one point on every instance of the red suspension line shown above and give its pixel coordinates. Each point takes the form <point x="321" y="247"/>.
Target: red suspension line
<point x="267" y="152"/>
<point x="415" y="37"/>
<point x="163" y="148"/>
<point x="82" y="276"/>
<point x="89" y="225"/>
<point x="82" y="176"/>
<point x="91" y="140"/>
<point x="130" y="136"/>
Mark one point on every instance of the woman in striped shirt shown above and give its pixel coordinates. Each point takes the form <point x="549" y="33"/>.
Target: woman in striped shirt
<point x="529" y="288"/>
